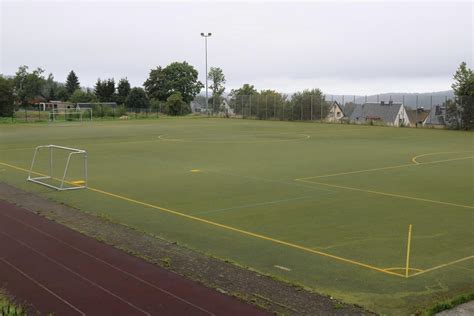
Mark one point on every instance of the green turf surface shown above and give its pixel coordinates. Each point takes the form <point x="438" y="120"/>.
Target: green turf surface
<point x="247" y="183"/>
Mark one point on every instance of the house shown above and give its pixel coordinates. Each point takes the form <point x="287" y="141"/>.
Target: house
<point x="225" y="108"/>
<point x="196" y="106"/>
<point x="54" y="106"/>
<point x="336" y="113"/>
<point x="418" y="116"/>
<point x="387" y="113"/>
<point x="436" y="117"/>
<point x="348" y="109"/>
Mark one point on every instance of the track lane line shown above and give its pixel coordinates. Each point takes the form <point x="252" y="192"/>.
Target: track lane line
<point x="75" y="273"/>
<point x="113" y="266"/>
<point x="24" y="274"/>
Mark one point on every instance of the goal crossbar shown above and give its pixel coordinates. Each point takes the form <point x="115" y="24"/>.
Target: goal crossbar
<point x="74" y="185"/>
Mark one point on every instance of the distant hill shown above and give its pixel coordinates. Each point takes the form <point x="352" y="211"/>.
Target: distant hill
<point x="409" y="99"/>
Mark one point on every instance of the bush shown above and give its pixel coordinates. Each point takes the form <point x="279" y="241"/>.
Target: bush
<point x="176" y="106"/>
<point x="121" y="111"/>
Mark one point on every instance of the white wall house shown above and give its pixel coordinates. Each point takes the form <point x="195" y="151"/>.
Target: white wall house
<point x="335" y="112"/>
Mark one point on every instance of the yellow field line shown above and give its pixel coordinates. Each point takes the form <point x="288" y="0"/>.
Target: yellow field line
<point x="438" y="153"/>
<point x="357" y="171"/>
<point x="403" y="269"/>
<point x="230" y="228"/>
<point x="389" y="194"/>
<point x="415" y="163"/>
<point x="442" y="265"/>
<point x="407" y="269"/>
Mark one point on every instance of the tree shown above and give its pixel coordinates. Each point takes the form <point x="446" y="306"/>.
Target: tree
<point x="123" y="89"/>
<point x="463" y="87"/>
<point x="137" y="98"/>
<point x="72" y="82"/>
<point x="7" y="97"/>
<point x="105" y="90"/>
<point x="216" y="75"/>
<point x="242" y="98"/>
<point x="176" y="77"/>
<point x="176" y="105"/>
<point x="28" y="86"/>
<point x="246" y="89"/>
<point x="61" y="92"/>
<point x="82" y="96"/>
<point x="303" y="101"/>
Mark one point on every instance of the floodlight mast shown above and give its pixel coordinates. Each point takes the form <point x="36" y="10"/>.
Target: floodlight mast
<point x="205" y="40"/>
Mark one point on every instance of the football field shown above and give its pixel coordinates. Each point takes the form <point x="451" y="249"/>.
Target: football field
<point x="375" y="216"/>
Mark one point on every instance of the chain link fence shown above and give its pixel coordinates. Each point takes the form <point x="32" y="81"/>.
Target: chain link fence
<point x="422" y="110"/>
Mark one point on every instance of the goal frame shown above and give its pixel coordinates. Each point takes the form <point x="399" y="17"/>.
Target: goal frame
<point x="39" y="179"/>
<point x="52" y="115"/>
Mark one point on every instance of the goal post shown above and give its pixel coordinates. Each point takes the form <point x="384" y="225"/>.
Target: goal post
<point x="47" y="179"/>
<point x="66" y="115"/>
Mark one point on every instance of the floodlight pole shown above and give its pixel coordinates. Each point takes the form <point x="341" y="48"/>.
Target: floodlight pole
<point x="205" y="40"/>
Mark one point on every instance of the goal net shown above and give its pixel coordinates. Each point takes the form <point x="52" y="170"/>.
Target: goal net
<point x="58" y="167"/>
<point x="70" y="115"/>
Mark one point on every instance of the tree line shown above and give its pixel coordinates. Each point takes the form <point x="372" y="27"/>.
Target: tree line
<point x="172" y="88"/>
<point x="169" y="88"/>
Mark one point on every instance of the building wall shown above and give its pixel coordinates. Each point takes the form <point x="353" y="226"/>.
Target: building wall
<point x="335" y="114"/>
<point x="402" y="118"/>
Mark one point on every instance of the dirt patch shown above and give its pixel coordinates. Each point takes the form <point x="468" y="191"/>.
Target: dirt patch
<point x="261" y="290"/>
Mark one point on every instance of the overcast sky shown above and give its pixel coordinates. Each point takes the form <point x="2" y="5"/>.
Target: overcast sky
<point x="341" y="47"/>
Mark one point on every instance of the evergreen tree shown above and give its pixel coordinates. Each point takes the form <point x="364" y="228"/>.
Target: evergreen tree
<point x="72" y="82"/>
<point x="123" y="89"/>
<point x="463" y="87"/>
<point x="105" y="90"/>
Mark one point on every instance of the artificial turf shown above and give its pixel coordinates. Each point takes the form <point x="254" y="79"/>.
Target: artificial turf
<point x="268" y="194"/>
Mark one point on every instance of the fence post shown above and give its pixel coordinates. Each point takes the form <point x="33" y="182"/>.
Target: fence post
<point x="250" y="102"/>
<point x="266" y="107"/>
<point x="258" y="106"/>
<point x="274" y="106"/>
<point x="26" y="116"/>
<point x="311" y="108"/>
<point x="302" y="104"/>
<point x="321" y="113"/>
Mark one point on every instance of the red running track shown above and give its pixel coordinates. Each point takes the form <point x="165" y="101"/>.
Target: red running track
<point x="60" y="271"/>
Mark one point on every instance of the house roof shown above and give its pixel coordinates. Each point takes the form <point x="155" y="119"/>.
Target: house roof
<point x="420" y="116"/>
<point x="386" y="112"/>
<point x="348" y="109"/>
<point x="436" y="116"/>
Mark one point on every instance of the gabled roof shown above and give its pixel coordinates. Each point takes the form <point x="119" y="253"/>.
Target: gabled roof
<point x="413" y="116"/>
<point x="348" y="109"/>
<point x="436" y="116"/>
<point x="386" y="112"/>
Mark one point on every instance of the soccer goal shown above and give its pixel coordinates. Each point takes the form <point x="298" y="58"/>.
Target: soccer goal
<point x="70" y="115"/>
<point x="69" y="163"/>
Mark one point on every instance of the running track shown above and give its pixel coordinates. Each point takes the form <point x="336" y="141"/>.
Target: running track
<point x="60" y="271"/>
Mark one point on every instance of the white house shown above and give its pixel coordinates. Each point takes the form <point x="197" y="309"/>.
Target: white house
<point x="335" y="112"/>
